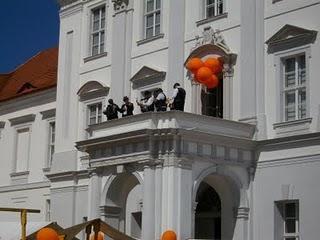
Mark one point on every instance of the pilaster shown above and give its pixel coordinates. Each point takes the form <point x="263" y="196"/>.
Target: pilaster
<point x="148" y="211"/>
<point x="94" y="194"/>
<point x="176" y="43"/>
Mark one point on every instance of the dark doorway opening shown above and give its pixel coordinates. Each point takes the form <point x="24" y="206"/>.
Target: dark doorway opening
<point x="212" y="101"/>
<point x="208" y="213"/>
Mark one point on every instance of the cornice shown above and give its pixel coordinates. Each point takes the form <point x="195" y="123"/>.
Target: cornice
<point x="23" y="187"/>
<point x="69" y="175"/>
<point x="48" y="113"/>
<point x="22" y="119"/>
<point x="29" y="100"/>
<point x="74" y="7"/>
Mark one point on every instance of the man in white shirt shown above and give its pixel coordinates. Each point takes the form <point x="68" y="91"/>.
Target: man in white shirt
<point x="178" y="97"/>
<point x="160" y="101"/>
<point x="147" y="104"/>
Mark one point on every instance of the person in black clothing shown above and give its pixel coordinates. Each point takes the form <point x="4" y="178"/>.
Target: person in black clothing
<point x="112" y="110"/>
<point x="127" y="107"/>
<point x="179" y="97"/>
<point x="147" y="103"/>
<point x="160" y="100"/>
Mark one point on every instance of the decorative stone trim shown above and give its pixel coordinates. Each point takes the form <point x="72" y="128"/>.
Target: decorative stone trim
<point x="110" y="211"/>
<point x="120" y="5"/>
<point x="19" y="177"/>
<point x="48" y="114"/>
<point x="23" y="119"/>
<point x="63" y="3"/>
<point x="243" y="213"/>
<point x="293" y="127"/>
<point x="290" y="36"/>
<point x="23" y="187"/>
<point x="94" y="57"/>
<point x="208" y="20"/>
<point x="146" y="40"/>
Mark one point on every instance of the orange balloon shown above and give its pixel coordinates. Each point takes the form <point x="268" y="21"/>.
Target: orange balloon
<point x="169" y="235"/>
<point x="47" y="234"/>
<point x="100" y="236"/>
<point x="213" y="83"/>
<point x="214" y="64"/>
<point x="203" y="75"/>
<point x="194" y="64"/>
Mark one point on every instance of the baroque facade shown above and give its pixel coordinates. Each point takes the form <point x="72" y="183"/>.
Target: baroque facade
<point x="242" y="161"/>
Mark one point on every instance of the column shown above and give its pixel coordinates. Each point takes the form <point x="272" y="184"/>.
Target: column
<point x="241" y="231"/>
<point x="148" y="210"/>
<point x="158" y="200"/>
<point x="94" y="195"/>
<point x="228" y="73"/>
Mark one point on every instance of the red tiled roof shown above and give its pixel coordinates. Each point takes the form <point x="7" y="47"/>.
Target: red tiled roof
<point x="38" y="73"/>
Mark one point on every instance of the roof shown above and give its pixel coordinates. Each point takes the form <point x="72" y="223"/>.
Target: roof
<point x="36" y="74"/>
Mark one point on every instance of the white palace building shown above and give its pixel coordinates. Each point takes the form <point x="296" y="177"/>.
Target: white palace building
<point x="241" y="163"/>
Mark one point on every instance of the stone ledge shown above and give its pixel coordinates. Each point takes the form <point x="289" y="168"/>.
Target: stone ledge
<point x="211" y="19"/>
<point x="94" y="57"/>
<point x="146" y="40"/>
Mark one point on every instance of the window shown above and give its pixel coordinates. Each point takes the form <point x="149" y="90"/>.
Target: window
<point x="98" y="30"/>
<point x="213" y="8"/>
<point x="95" y="113"/>
<point x="52" y="134"/>
<point x="48" y="210"/>
<point x="288" y="227"/>
<point x="294" y="87"/>
<point x="152" y="18"/>
<point x="22" y="149"/>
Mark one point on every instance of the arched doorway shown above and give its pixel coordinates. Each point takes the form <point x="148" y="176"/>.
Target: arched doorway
<point x="217" y="102"/>
<point x="123" y="208"/>
<point x="217" y="197"/>
<point x="208" y="213"/>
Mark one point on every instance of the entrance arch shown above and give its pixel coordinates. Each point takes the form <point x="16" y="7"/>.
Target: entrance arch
<point x="123" y="204"/>
<point x="217" y="198"/>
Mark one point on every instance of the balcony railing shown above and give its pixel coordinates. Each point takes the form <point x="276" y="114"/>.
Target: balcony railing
<point x="174" y="120"/>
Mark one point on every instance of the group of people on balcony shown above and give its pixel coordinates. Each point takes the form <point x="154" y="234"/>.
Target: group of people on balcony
<point x="156" y="101"/>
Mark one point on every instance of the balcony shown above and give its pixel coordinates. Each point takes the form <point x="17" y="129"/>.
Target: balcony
<point x="155" y="134"/>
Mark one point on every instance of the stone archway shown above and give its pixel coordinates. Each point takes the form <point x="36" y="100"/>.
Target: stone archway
<point x="122" y="208"/>
<point x="217" y="197"/>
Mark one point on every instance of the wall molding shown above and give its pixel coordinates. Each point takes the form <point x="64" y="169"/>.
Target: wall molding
<point x="24" y="187"/>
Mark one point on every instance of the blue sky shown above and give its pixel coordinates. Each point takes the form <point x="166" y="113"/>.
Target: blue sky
<point x="26" y="27"/>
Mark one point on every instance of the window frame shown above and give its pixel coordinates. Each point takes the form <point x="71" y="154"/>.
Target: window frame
<point x="153" y="13"/>
<point x="306" y="49"/>
<point x="90" y="102"/>
<point x="17" y="129"/>
<point x="282" y="217"/>
<point x="296" y="88"/>
<point x="96" y="117"/>
<point x="215" y="4"/>
<point x="51" y="144"/>
<point x="99" y="31"/>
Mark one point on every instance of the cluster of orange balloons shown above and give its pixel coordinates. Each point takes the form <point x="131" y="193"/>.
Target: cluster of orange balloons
<point x="205" y="72"/>
<point x="47" y="234"/>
